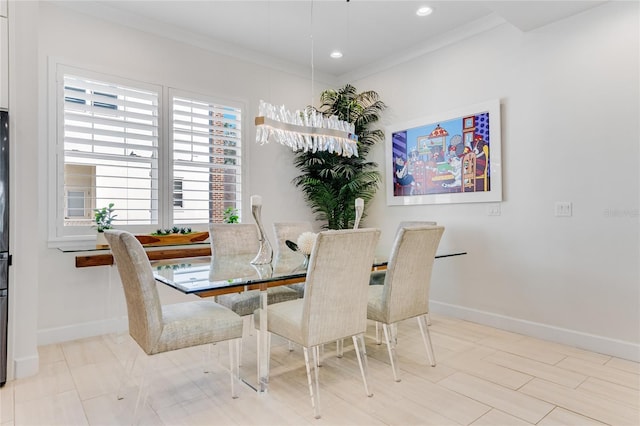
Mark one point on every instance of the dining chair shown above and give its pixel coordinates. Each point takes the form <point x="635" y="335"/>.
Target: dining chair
<point x="158" y="328"/>
<point x="377" y="277"/>
<point x="334" y="303"/>
<point x="291" y="231"/>
<point x="405" y="292"/>
<point x="238" y="238"/>
<point x="284" y="231"/>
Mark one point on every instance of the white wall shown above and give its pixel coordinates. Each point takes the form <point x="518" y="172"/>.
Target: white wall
<point x="24" y="238"/>
<point x="570" y="120"/>
<point x="569" y="95"/>
<point x="52" y="300"/>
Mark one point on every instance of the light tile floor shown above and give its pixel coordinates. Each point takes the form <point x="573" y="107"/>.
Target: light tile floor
<point x="484" y="376"/>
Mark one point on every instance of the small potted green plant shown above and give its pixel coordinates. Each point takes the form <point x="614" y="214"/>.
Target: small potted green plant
<point x="103" y="218"/>
<point x="175" y="235"/>
<point x="230" y="215"/>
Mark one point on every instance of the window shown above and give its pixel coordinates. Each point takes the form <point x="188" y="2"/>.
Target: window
<point x="75" y="204"/>
<point x="111" y="135"/>
<point x="206" y="155"/>
<point x="111" y="146"/>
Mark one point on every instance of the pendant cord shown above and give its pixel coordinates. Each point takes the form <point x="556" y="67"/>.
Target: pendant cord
<point x="269" y="48"/>
<point x="312" y="54"/>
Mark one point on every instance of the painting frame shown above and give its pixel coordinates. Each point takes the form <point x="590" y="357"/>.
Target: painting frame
<point x="446" y="158"/>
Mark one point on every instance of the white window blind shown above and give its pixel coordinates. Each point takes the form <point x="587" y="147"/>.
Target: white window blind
<point x="111" y="148"/>
<point x="163" y="157"/>
<point x="206" y="139"/>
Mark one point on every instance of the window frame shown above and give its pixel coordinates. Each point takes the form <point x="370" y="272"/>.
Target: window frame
<point x="198" y="97"/>
<point x="60" y="235"/>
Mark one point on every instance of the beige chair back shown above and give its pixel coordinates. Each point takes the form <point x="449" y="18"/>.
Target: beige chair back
<point x="408" y="223"/>
<point x="408" y="277"/>
<point x="233" y="238"/>
<point x="284" y="231"/>
<point x="141" y="294"/>
<point x="336" y="295"/>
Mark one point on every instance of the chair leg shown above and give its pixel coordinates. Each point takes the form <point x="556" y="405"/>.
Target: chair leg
<point x="128" y="370"/>
<point x="340" y="348"/>
<point x="141" y="400"/>
<point x="361" y="353"/>
<point x="247" y="325"/>
<point x="378" y="341"/>
<point x="426" y="337"/>
<point x="234" y="369"/>
<point x="290" y="346"/>
<point x="391" y="339"/>
<point x="208" y="356"/>
<point x="314" y="385"/>
<point x="319" y="354"/>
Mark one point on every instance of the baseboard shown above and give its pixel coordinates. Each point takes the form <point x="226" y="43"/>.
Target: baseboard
<point x="25" y="367"/>
<point x="53" y="335"/>
<point x="591" y="342"/>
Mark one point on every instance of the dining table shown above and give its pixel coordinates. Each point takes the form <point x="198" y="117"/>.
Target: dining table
<point x="208" y="276"/>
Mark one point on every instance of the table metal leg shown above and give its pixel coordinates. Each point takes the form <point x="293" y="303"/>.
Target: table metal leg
<point x="263" y="343"/>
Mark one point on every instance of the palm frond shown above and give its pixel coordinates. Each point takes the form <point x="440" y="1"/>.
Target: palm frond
<point x="331" y="183"/>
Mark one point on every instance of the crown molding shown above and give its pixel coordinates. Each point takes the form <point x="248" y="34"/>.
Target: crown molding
<point x="104" y="12"/>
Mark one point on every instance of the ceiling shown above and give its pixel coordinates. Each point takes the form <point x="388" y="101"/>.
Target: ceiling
<point x="298" y="35"/>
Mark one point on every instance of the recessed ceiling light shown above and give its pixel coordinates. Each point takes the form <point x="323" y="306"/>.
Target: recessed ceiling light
<point x="424" y="11"/>
<point x="336" y="54"/>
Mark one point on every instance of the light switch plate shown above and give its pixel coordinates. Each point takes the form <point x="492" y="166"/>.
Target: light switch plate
<point x="493" y="210"/>
<point x="563" y="209"/>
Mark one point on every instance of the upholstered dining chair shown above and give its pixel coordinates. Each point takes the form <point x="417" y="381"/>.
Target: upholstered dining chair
<point x="284" y="231"/>
<point x="408" y="223"/>
<point x="239" y="238"/>
<point x="405" y="292"/>
<point x="377" y="277"/>
<point x="334" y="303"/>
<point x="160" y="328"/>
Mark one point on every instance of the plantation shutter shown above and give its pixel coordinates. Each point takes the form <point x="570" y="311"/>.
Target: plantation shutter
<point x="206" y="138"/>
<point x="110" y="151"/>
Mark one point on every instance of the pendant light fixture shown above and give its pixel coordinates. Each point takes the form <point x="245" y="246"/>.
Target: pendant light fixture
<point x="308" y="129"/>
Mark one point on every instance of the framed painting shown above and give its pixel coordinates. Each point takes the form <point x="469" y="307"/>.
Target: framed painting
<point x="452" y="157"/>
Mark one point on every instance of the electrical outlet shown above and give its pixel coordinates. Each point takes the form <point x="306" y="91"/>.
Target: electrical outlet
<point x="563" y="209"/>
<point x="493" y="210"/>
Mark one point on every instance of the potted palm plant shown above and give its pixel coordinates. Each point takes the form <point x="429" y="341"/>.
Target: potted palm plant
<point x="331" y="183"/>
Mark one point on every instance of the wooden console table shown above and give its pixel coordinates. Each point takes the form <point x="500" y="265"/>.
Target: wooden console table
<point x="103" y="257"/>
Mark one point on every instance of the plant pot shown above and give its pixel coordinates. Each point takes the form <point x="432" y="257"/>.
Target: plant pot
<point x="101" y="240"/>
<point x="172" y="239"/>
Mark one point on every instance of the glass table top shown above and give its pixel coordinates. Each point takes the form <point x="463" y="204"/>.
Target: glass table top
<point x="201" y="274"/>
<point x="193" y="275"/>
